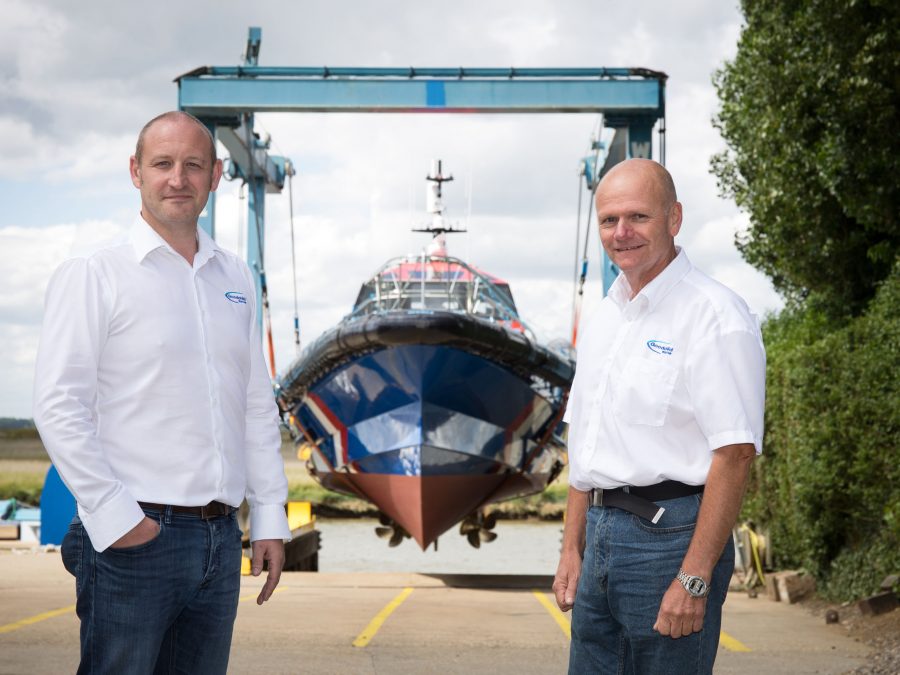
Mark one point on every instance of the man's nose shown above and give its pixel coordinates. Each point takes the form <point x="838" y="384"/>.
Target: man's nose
<point x="622" y="231"/>
<point x="177" y="176"/>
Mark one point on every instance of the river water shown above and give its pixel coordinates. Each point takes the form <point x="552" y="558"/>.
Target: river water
<point x="521" y="547"/>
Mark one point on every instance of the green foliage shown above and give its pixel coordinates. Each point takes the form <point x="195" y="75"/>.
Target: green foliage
<point x="313" y="492"/>
<point x="19" y="434"/>
<point x="25" y="489"/>
<point x="809" y="111"/>
<point x="828" y="485"/>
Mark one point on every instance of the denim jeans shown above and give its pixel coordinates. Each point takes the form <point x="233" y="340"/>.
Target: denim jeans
<point x="165" y="606"/>
<point x="628" y="566"/>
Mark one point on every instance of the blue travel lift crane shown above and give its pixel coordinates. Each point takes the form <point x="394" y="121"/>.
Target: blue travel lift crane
<point x="225" y="98"/>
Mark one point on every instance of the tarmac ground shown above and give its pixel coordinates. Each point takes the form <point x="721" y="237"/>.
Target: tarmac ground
<point x="402" y="623"/>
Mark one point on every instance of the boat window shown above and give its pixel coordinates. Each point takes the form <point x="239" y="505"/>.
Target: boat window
<point x="438" y="284"/>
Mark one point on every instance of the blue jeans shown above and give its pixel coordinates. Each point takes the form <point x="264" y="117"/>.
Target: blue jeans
<point x="165" y="606"/>
<point x="627" y="568"/>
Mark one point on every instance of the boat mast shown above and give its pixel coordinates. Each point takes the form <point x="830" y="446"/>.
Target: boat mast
<point x="435" y="207"/>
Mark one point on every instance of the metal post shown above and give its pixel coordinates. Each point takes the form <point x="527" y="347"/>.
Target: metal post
<point x="256" y="207"/>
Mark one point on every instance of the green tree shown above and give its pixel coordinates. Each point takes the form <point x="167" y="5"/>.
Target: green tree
<point x="809" y="115"/>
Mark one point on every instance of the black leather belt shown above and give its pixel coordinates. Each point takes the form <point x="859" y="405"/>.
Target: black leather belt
<point x="640" y="499"/>
<point x="211" y="510"/>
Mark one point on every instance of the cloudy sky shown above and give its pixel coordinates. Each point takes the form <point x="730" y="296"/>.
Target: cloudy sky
<point x="78" y="81"/>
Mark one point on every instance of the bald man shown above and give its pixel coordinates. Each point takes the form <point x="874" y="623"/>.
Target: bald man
<point x="665" y="417"/>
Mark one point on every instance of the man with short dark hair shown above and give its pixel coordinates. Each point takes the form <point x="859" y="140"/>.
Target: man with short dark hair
<point x="152" y="399"/>
<point x="665" y="417"/>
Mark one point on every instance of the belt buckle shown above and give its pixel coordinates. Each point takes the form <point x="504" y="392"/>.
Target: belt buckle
<point x="598" y="497"/>
<point x="205" y="512"/>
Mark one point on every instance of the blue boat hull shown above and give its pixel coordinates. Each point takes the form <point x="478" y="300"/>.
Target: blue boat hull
<point x="427" y="432"/>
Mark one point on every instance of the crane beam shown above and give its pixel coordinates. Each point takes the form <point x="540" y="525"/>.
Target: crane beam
<point x="620" y="93"/>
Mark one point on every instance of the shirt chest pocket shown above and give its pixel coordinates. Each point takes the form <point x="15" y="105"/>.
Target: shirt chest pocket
<point x="644" y="391"/>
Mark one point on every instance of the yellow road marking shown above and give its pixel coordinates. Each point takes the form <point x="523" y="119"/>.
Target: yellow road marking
<point x="732" y="644"/>
<point x="369" y="631"/>
<point x="557" y="615"/>
<point x="8" y="628"/>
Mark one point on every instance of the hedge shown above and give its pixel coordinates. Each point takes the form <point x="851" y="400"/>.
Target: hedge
<point x="828" y="484"/>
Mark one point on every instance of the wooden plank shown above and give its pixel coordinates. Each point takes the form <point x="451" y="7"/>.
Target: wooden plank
<point x="9" y="531"/>
<point x="878" y="604"/>
<point x="793" y="586"/>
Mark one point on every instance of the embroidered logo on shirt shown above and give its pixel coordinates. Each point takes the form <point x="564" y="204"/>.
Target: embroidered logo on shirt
<point x="661" y="347"/>
<point x="236" y="297"/>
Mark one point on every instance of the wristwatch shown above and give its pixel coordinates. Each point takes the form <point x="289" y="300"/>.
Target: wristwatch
<point x="696" y="586"/>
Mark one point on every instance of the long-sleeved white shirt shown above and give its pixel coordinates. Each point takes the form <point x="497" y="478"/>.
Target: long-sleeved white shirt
<point x="662" y="380"/>
<point x="150" y="385"/>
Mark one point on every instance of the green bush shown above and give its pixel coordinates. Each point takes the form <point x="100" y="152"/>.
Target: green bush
<point x="25" y="490"/>
<point x="828" y="485"/>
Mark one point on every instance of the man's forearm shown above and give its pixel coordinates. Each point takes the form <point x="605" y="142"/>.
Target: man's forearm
<point x="565" y="583"/>
<point x="722" y="497"/>
<point x="576" y="517"/>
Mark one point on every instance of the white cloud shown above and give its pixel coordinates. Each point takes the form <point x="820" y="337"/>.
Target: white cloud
<point x="30" y="37"/>
<point x="711" y="248"/>
<point x="525" y="37"/>
<point x="28" y="257"/>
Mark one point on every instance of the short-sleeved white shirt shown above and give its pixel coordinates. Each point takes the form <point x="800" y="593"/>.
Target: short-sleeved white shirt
<point x="662" y="380"/>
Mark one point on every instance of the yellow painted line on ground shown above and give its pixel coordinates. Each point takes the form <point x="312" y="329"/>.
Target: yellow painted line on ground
<point x="732" y="644"/>
<point x="557" y="615"/>
<point x="369" y="631"/>
<point x="8" y="628"/>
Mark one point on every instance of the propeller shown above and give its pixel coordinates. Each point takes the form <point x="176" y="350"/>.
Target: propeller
<point x="391" y="531"/>
<point x="476" y="527"/>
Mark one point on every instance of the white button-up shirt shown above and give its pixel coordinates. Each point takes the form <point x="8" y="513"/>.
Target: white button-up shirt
<point x="662" y="380"/>
<point x="150" y="386"/>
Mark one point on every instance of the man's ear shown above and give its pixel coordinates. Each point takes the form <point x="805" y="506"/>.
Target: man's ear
<point x="675" y="214"/>
<point x="216" y="175"/>
<point x="135" y="171"/>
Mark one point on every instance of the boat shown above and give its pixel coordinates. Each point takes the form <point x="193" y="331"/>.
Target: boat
<point x="432" y="398"/>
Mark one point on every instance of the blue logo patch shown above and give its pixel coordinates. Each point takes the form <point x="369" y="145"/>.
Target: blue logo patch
<point x="661" y="347"/>
<point x="236" y="297"/>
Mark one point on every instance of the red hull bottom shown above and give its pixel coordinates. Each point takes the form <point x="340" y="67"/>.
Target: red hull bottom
<point x="428" y="506"/>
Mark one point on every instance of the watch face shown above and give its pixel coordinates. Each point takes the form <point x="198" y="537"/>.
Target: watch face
<point x="696" y="586"/>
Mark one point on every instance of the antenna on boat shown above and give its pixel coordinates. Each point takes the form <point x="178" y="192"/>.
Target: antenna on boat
<point x="435" y="207"/>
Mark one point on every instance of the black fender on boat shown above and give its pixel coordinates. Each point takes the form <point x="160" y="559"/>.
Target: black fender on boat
<point x="357" y="336"/>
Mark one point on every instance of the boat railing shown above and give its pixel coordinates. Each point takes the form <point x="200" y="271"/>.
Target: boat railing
<point x="437" y="283"/>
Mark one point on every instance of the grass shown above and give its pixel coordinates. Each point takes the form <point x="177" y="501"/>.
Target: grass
<point x="24" y="464"/>
<point x="22" y="479"/>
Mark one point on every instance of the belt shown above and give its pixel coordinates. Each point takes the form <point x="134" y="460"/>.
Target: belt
<point x="211" y="510"/>
<point x="640" y="499"/>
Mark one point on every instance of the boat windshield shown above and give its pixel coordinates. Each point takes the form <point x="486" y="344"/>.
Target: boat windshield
<point x="438" y="283"/>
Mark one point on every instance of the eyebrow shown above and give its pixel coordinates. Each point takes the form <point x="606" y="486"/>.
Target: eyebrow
<point x="195" y="158"/>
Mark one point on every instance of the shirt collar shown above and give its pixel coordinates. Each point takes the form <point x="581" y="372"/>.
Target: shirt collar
<point x="206" y="248"/>
<point x="651" y="294"/>
<point x="144" y="240"/>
